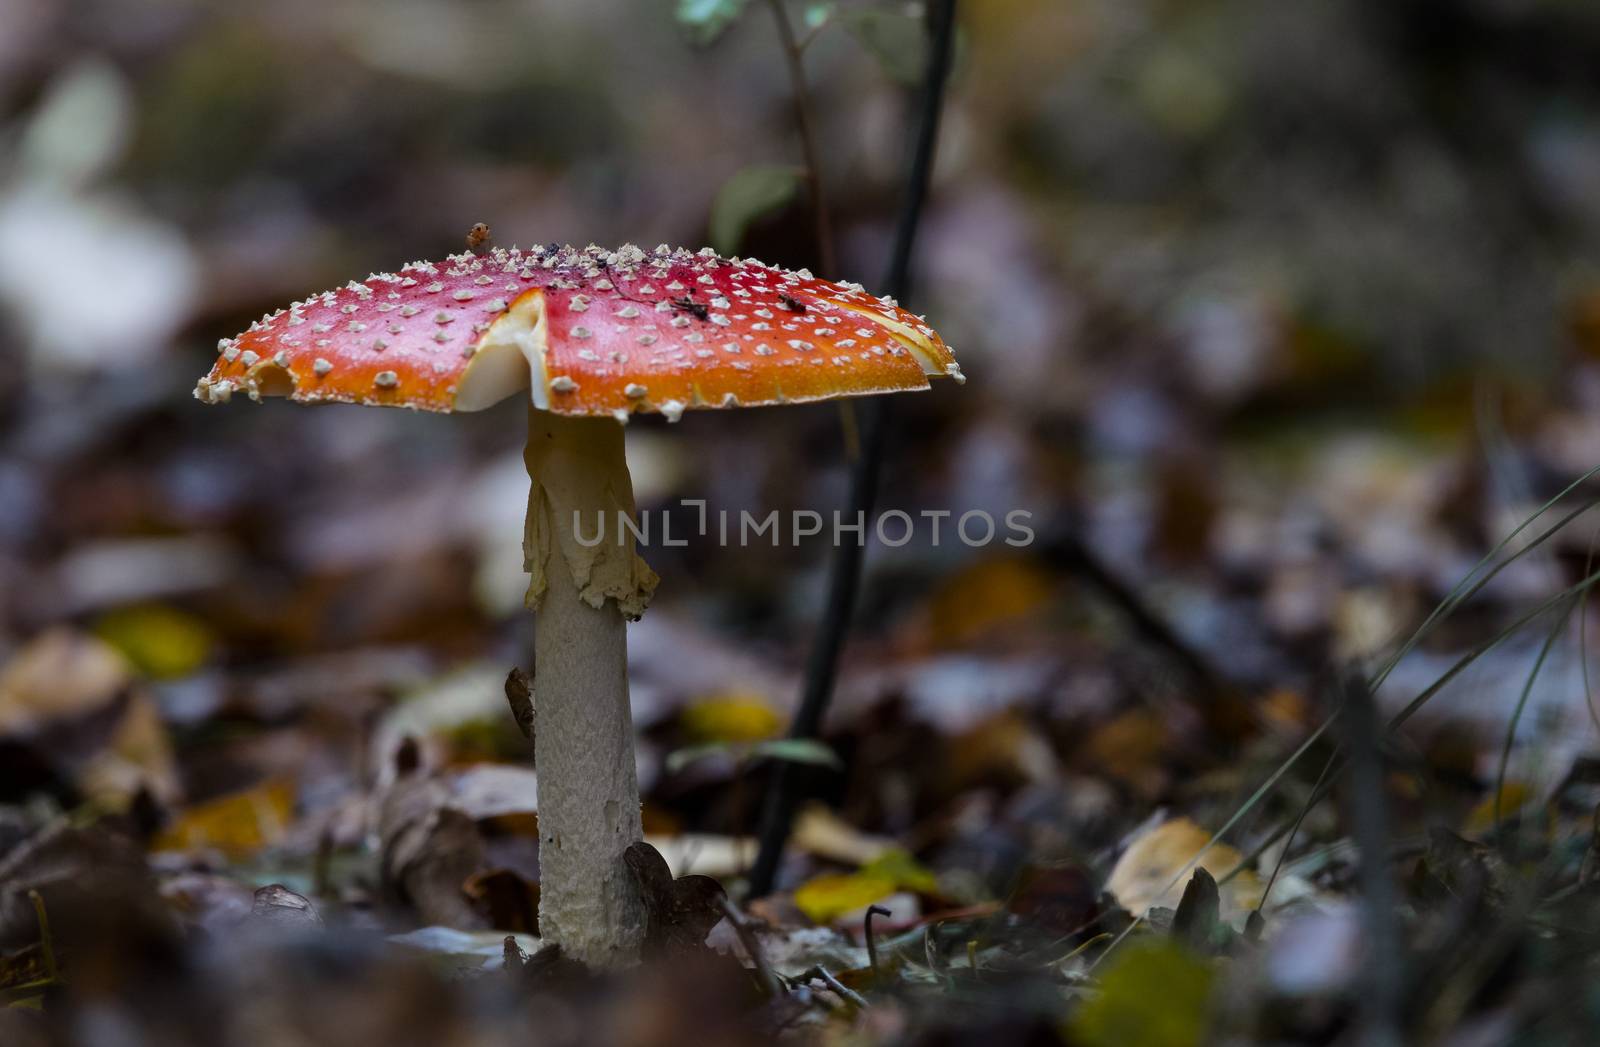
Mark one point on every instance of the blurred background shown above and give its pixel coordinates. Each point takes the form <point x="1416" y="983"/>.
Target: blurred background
<point x="1276" y="317"/>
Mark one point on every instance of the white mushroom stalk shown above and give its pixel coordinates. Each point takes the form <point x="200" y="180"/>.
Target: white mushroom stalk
<point x="583" y="726"/>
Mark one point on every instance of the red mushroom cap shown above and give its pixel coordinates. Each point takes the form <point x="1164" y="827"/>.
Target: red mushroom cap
<point x="600" y="332"/>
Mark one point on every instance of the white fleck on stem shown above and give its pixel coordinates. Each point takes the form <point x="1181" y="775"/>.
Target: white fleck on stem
<point x="583" y="742"/>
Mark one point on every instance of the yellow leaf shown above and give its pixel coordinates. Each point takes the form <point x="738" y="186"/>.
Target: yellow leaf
<point x="237" y="824"/>
<point x="990" y="594"/>
<point x="904" y="871"/>
<point x="826" y="898"/>
<point x="1153" y="994"/>
<point x="731" y="718"/>
<point x="162" y="642"/>
<point x="1512" y="797"/>
<point x="1143" y="877"/>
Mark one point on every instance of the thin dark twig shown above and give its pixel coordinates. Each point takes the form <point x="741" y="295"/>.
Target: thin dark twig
<point x="1383" y="972"/>
<point x="844" y="992"/>
<point x="808" y="138"/>
<point x="941" y="29"/>
<point x="844" y="573"/>
<point x="1221" y="702"/>
<point x="872" y="942"/>
<point x="770" y="982"/>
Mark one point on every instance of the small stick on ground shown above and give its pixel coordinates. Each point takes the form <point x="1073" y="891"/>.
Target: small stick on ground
<point x="872" y="943"/>
<point x="770" y="982"/>
<point x="1218" y="701"/>
<point x="820" y="973"/>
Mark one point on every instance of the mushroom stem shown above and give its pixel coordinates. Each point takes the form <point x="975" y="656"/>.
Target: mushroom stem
<point x="583" y="733"/>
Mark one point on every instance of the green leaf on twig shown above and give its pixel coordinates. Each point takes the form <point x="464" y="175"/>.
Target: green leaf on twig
<point x="798" y="750"/>
<point x="750" y="194"/>
<point x="791" y="750"/>
<point x="708" y="19"/>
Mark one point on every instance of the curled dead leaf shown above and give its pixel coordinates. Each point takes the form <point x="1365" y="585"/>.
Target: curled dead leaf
<point x="1148" y="873"/>
<point x="680" y="913"/>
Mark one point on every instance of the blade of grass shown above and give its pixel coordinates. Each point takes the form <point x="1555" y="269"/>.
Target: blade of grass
<point x="1458" y="594"/>
<point x="1305" y="809"/>
<point x="1465" y="588"/>
<point x="1468" y="588"/>
<point x="1522" y="703"/>
<point x="1580" y="588"/>
<point x="1490" y="644"/>
<point x="1583" y="637"/>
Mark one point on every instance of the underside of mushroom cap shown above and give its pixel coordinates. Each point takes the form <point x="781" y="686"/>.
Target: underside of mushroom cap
<point x="588" y="332"/>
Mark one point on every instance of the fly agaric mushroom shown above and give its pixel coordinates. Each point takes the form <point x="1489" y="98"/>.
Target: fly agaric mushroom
<point x="596" y="336"/>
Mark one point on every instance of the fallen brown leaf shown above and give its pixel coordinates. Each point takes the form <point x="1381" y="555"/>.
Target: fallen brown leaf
<point x="1144" y="876"/>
